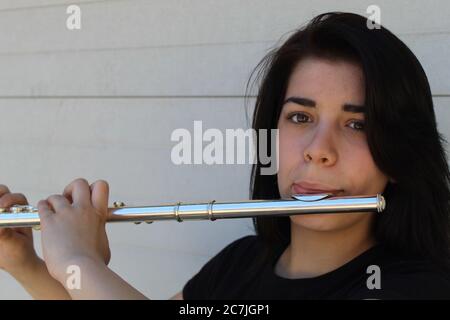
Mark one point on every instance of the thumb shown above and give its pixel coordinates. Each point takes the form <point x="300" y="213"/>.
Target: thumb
<point x="100" y="197"/>
<point x="45" y="212"/>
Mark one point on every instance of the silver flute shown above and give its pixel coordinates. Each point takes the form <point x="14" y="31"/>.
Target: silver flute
<point x="27" y="216"/>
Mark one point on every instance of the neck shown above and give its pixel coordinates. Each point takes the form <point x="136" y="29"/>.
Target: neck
<point x="313" y="253"/>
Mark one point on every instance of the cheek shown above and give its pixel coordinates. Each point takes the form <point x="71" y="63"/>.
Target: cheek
<point x="289" y="158"/>
<point x="361" y="172"/>
<point x="290" y="144"/>
<point x="289" y="149"/>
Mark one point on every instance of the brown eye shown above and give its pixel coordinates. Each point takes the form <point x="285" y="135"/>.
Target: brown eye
<point x="358" y="125"/>
<point x="298" y="117"/>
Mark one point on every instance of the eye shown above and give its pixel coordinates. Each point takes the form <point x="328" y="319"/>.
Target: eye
<point x="298" y="117"/>
<point x="358" y="125"/>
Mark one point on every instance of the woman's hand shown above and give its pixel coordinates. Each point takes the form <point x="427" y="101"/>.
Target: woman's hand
<point x="17" y="254"/>
<point x="73" y="227"/>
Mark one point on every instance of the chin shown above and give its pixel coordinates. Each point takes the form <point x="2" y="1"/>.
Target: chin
<point x="326" y="222"/>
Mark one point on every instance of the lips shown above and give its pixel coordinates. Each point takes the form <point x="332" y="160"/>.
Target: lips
<point x="313" y="188"/>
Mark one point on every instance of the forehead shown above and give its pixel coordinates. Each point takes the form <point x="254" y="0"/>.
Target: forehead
<point x="320" y="78"/>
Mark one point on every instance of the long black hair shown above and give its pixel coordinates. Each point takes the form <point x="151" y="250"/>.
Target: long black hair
<point x="400" y="127"/>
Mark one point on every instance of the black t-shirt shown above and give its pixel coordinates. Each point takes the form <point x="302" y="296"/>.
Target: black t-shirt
<point x="237" y="273"/>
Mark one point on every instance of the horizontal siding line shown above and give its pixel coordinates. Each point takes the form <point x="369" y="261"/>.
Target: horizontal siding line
<point x="274" y="42"/>
<point x="91" y="2"/>
<point x="129" y="97"/>
<point x="431" y="32"/>
<point x="424" y="33"/>
<point x="45" y="6"/>
<point x="137" y="48"/>
<point x="152" y="97"/>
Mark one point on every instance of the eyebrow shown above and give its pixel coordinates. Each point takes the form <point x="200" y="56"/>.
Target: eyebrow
<point x="348" y="107"/>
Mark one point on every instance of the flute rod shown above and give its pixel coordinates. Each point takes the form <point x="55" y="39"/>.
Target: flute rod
<point x="27" y="216"/>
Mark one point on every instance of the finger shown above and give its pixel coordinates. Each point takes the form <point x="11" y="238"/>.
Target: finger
<point x="7" y="200"/>
<point x="5" y="233"/>
<point x="3" y="190"/>
<point x="26" y="231"/>
<point x="79" y="191"/>
<point x="10" y="199"/>
<point x="57" y="203"/>
<point x="45" y="211"/>
<point x="100" y="196"/>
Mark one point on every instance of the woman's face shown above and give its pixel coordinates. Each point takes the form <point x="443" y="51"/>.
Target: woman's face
<point x="322" y="140"/>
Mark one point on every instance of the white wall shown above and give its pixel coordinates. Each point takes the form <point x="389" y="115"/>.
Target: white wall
<point x="102" y="102"/>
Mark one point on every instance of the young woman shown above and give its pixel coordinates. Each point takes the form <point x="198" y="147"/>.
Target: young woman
<point x="355" y="116"/>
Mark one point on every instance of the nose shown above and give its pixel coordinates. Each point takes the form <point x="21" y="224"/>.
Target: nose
<point x="321" y="147"/>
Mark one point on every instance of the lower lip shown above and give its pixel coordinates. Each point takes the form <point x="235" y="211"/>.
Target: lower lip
<point x="299" y="190"/>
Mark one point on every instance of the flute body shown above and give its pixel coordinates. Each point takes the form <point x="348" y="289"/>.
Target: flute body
<point x="27" y="216"/>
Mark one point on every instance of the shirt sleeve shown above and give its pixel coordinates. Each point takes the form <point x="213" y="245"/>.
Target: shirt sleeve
<point x="201" y="285"/>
